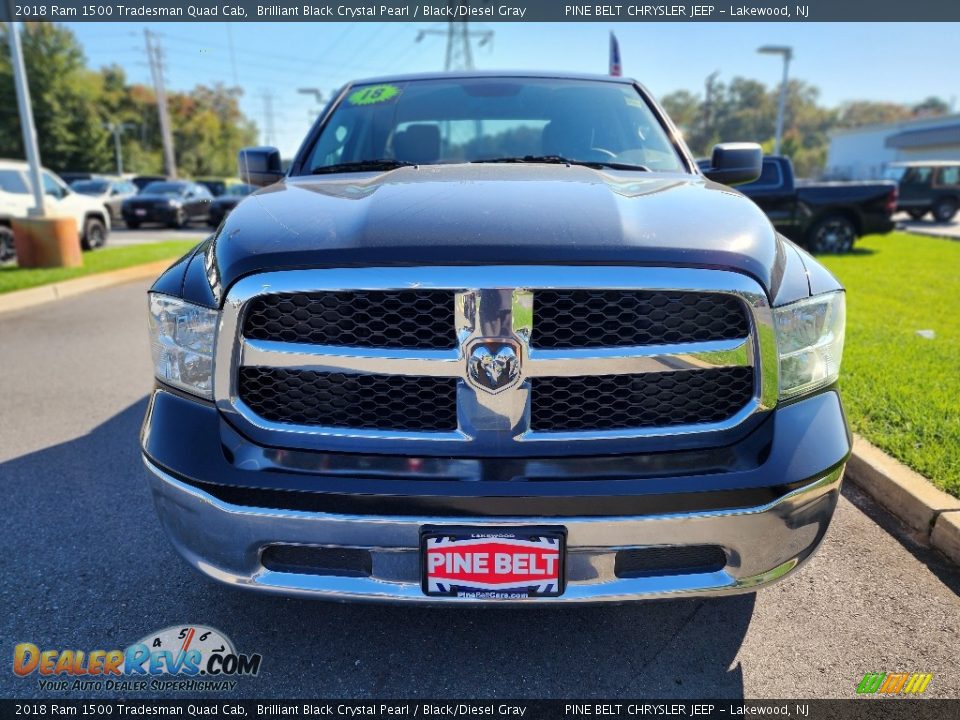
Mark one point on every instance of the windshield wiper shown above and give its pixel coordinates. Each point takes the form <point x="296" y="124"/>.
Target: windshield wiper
<point x="361" y="166"/>
<point x="560" y="160"/>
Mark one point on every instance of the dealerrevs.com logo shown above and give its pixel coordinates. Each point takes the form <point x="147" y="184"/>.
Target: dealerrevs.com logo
<point x="181" y="657"/>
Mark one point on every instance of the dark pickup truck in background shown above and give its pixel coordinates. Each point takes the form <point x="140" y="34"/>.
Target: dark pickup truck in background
<point x="823" y="216"/>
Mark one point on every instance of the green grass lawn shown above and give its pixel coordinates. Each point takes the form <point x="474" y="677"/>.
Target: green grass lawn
<point x="902" y="391"/>
<point x="14" y="278"/>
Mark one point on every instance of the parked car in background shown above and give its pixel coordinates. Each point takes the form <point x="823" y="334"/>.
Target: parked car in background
<point x="218" y="185"/>
<point x="71" y="176"/>
<point x="16" y="200"/>
<point x="823" y="216"/>
<point x="928" y="186"/>
<point x="109" y="191"/>
<point x="221" y="206"/>
<point x="141" y="181"/>
<point x="174" y="203"/>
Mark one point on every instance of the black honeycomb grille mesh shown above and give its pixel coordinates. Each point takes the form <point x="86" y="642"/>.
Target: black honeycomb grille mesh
<point x="362" y="318"/>
<point x="615" y="402"/>
<point x="367" y="402"/>
<point x="619" y="318"/>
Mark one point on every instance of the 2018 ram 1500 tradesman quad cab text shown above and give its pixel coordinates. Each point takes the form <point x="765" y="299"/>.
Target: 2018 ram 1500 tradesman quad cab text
<point x="496" y="336"/>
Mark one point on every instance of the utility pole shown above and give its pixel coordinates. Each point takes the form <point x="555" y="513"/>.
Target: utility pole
<point x="116" y="129"/>
<point x="268" y="118"/>
<point x="155" y="56"/>
<point x="458" y="34"/>
<point x="708" y="114"/>
<point x="26" y="119"/>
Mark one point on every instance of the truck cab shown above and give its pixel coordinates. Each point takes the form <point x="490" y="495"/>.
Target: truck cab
<point x="927" y="187"/>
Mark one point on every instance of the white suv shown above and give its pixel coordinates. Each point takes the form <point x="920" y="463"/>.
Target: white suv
<point x="16" y="199"/>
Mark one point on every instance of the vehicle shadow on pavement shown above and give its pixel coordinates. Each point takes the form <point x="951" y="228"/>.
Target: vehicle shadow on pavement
<point x="89" y="568"/>
<point x="940" y="566"/>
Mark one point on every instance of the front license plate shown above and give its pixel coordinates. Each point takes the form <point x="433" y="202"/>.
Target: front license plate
<point x="492" y="563"/>
<point x="139" y="211"/>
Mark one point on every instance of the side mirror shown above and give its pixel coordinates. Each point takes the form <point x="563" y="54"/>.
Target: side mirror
<point x="735" y="163"/>
<point x="260" y="166"/>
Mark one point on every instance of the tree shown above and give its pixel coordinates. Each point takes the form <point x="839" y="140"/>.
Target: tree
<point x="70" y="130"/>
<point x="866" y="112"/>
<point x="931" y="107"/>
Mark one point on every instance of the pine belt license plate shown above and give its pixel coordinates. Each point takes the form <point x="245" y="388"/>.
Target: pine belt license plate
<point x="485" y="563"/>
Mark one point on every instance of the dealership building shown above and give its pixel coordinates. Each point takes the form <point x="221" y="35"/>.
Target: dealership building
<point x="863" y="153"/>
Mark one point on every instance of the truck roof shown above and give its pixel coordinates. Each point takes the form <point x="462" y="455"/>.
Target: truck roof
<point x="924" y="163"/>
<point x="492" y="74"/>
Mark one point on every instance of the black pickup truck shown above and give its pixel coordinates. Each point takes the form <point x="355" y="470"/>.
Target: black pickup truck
<point x="496" y="338"/>
<point x="822" y="216"/>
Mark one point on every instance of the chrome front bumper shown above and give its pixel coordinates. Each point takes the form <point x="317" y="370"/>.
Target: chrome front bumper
<point x="762" y="544"/>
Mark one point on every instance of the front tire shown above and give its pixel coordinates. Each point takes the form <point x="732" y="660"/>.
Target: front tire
<point x="8" y="251"/>
<point x="94" y="234"/>
<point x="945" y="209"/>
<point x="832" y="234"/>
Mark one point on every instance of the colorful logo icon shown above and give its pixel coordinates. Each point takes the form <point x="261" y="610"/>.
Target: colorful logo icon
<point x="894" y="683"/>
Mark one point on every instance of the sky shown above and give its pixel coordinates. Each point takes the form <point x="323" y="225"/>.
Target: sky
<point x="897" y="62"/>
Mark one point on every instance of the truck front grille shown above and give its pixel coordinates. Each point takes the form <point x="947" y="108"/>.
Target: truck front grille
<point x="481" y="361"/>
<point x="622" y="318"/>
<point x="372" y="402"/>
<point x="374" y="319"/>
<point x="611" y="402"/>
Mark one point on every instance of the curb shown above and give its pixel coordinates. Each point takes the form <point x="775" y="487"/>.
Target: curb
<point x="934" y="231"/>
<point x="932" y="513"/>
<point x="42" y="294"/>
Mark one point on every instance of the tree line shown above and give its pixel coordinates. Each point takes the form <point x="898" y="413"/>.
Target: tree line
<point x="746" y="110"/>
<point x="74" y="107"/>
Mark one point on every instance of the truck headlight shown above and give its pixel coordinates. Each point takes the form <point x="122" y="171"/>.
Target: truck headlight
<point x="182" y="337"/>
<point x="810" y="342"/>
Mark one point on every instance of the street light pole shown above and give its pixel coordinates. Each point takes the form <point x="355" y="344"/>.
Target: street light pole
<point x="786" y="52"/>
<point x="116" y="129"/>
<point x="26" y="118"/>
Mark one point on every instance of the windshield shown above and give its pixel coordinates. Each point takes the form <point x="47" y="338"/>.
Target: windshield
<point x="894" y="173"/>
<point x="239" y="190"/>
<point x="428" y="122"/>
<point x="163" y="188"/>
<point x="216" y="187"/>
<point x="90" y="187"/>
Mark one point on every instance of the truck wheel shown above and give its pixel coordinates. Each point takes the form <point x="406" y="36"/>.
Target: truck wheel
<point x="94" y="234"/>
<point x="917" y="214"/>
<point x="833" y="234"/>
<point x="944" y="210"/>
<point x="8" y="250"/>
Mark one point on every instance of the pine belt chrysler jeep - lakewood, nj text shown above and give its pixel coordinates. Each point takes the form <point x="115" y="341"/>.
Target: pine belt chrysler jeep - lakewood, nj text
<point x="496" y="337"/>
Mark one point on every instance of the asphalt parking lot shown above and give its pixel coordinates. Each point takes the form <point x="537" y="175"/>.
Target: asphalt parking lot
<point x="86" y="566"/>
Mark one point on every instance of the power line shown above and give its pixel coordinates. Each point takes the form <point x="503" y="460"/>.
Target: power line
<point x="268" y="129"/>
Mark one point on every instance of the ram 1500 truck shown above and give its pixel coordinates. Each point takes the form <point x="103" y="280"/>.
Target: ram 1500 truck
<point x="823" y="216"/>
<point x="496" y="338"/>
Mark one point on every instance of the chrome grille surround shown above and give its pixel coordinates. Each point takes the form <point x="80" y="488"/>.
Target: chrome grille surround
<point x="494" y="304"/>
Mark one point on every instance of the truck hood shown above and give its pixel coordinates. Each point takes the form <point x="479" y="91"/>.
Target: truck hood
<point x="498" y="214"/>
